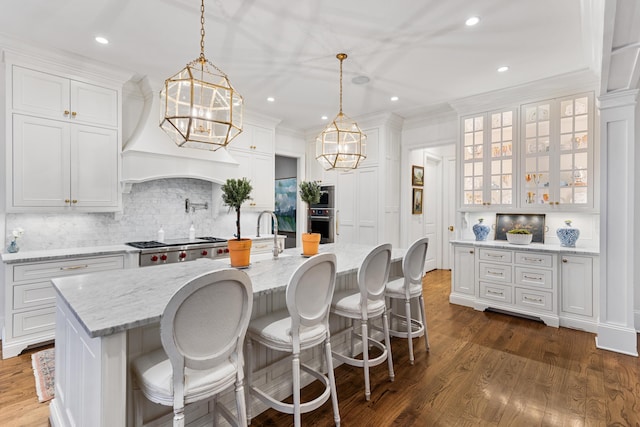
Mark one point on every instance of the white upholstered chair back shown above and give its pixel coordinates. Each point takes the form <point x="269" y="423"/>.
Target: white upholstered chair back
<point x="374" y="273"/>
<point x="413" y="263"/>
<point x="206" y="321"/>
<point x="310" y="290"/>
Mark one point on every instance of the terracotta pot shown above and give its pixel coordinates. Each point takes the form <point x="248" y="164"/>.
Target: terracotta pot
<point x="239" y="252"/>
<point x="310" y="243"/>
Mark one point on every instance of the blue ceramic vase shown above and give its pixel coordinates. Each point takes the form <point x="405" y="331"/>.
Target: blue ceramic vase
<point x="13" y="247"/>
<point x="480" y="230"/>
<point x="568" y="235"/>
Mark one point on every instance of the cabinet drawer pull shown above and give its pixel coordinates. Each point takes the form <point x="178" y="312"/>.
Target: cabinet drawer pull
<point x="471" y="252"/>
<point x="565" y="260"/>
<point x="490" y="292"/>
<point x="74" y="267"/>
<point x="533" y="299"/>
<point x="531" y="277"/>
<point x="495" y="256"/>
<point x="495" y="273"/>
<point x="532" y="259"/>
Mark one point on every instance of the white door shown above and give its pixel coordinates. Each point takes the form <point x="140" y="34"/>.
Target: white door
<point x="40" y="162"/>
<point x="94" y="167"/>
<point x="91" y="104"/>
<point x="449" y="211"/>
<point x="432" y="209"/>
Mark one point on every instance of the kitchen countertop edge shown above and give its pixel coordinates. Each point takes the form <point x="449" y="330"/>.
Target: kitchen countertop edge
<point x="538" y="247"/>
<point x="56" y="254"/>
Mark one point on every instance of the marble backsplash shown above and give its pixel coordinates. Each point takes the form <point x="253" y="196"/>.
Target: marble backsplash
<point x="149" y="206"/>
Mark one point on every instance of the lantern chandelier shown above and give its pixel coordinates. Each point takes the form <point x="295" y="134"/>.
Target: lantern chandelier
<point x="199" y="107"/>
<point x="341" y="145"/>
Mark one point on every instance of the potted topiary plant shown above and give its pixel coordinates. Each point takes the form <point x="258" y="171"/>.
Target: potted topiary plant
<point x="234" y="193"/>
<point x="310" y="194"/>
<point x="519" y="236"/>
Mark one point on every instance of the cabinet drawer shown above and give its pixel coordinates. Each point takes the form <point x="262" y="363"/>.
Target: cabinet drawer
<point x="49" y="270"/>
<point x="537" y="300"/>
<point x="495" y="272"/>
<point x="532" y="258"/>
<point x="495" y="255"/>
<point x="34" y="322"/>
<point x="534" y="277"/>
<point x="495" y="292"/>
<point x="33" y="295"/>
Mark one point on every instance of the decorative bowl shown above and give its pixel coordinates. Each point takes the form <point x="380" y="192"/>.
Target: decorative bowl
<point x="519" y="239"/>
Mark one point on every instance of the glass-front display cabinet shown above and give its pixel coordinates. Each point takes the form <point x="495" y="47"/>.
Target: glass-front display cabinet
<point x="557" y="159"/>
<point x="488" y="159"/>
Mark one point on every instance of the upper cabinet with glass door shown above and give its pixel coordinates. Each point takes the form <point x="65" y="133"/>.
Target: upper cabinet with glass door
<point x="558" y="154"/>
<point x="488" y="159"/>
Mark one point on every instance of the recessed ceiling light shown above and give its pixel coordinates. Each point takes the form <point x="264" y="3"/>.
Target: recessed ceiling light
<point x="394" y="98"/>
<point x="324" y="117"/>
<point x="360" y="80"/>
<point x="102" y="40"/>
<point x="470" y="22"/>
<point x="503" y="69"/>
<point x="271" y="99"/>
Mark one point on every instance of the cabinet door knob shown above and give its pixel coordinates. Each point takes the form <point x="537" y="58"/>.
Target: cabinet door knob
<point x="565" y="260"/>
<point x="451" y="228"/>
<point x="66" y="112"/>
<point x="471" y="252"/>
<point x="67" y="201"/>
<point x="74" y="201"/>
<point x="73" y="113"/>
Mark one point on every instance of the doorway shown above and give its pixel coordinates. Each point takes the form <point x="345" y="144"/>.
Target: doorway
<point x="286" y="190"/>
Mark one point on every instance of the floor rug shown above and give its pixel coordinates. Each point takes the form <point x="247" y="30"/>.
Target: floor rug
<point x="43" y="363"/>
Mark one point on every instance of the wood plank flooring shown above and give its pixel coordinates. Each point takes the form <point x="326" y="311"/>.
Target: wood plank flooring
<point x="484" y="369"/>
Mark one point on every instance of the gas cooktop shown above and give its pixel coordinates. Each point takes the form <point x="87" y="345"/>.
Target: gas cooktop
<point x="150" y="244"/>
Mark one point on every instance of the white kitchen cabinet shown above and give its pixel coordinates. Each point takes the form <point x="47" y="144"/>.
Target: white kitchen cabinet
<point x="47" y="95"/>
<point x="64" y="151"/>
<point x="518" y="281"/>
<point x="463" y="277"/>
<point x="253" y="149"/>
<point x="30" y="298"/>
<point x="557" y="161"/>
<point x="488" y="159"/>
<point x="577" y="287"/>
<point x="357" y="206"/>
<point x="56" y="164"/>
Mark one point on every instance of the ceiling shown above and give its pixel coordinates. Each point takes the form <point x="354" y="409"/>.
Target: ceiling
<point x="419" y="51"/>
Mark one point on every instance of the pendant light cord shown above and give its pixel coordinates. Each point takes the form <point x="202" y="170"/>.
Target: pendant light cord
<point x="202" y="58"/>
<point x="341" y="57"/>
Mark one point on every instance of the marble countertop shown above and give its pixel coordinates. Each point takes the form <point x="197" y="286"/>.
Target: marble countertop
<point x="538" y="247"/>
<point x="56" y="254"/>
<point x="113" y="301"/>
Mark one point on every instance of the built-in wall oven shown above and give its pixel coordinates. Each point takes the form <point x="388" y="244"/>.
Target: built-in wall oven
<point x="322" y="215"/>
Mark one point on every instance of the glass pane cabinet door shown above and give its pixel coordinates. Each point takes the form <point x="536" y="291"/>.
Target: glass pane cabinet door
<point x="488" y="159"/>
<point x="538" y="152"/>
<point x="558" y="153"/>
<point x="576" y="151"/>
<point x="473" y="161"/>
<point x="501" y="169"/>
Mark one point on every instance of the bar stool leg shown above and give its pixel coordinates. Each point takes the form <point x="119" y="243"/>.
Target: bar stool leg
<point x="295" y="367"/>
<point x="424" y="323"/>
<point x="365" y="359"/>
<point x="407" y="312"/>
<point x="249" y="362"/>
<point x="332" y="382"/>
<point x="387" y="343"/>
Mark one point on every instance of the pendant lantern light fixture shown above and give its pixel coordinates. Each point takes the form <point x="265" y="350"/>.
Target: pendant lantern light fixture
<point x="199" y="107"/>
<point x="341" y="145"/>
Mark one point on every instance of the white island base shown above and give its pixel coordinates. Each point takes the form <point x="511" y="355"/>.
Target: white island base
<point x="93" y="381"/>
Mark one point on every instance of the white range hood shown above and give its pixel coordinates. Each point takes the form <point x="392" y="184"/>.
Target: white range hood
<point x="148" y="153"/>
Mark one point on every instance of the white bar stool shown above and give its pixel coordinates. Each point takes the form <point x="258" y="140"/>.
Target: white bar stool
<point x="202" y="331"/>
<point x="303" y="325"/>
<point x="407" y="288"/>
<point x="366" y="303"/>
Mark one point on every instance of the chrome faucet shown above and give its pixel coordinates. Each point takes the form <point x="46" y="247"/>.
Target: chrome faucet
<point x="276" y="248"/>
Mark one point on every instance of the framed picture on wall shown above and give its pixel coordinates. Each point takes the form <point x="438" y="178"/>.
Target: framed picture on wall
<point x="417" y="201"/>
<point x="417" y="176"/>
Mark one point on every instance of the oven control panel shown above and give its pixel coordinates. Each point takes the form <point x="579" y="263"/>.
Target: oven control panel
<point x="321" y="212"/>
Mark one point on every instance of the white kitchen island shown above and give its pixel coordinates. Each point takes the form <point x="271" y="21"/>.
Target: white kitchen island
<point x="103" y="320"/>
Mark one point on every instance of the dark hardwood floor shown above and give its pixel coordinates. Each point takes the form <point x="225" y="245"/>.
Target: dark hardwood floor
<point x="485" y="369"/>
